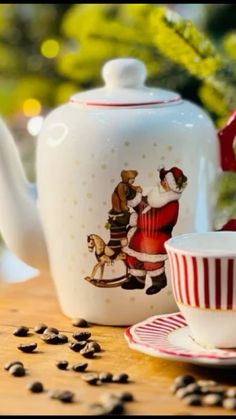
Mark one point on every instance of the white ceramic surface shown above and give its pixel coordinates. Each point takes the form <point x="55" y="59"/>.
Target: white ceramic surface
<point x="82" y="149"/>
<point x="203" y="274"/>
<point x="169" y="337"/>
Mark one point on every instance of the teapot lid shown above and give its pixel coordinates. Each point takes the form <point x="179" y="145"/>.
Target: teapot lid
<point x="124" y="86"/>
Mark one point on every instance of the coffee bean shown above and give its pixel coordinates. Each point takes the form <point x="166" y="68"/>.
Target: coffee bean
<point x="21" y="331"/>
<point x="80" y="367"/>
<point x="77" y="346"/>
<point x="17" y="370"/>
<point x="90" y="378"/>
<point x="40" y="328"/>
<point x="175" y="387"/>
<point x="120" y="378"/>
<point x="51" y="330"/>
<point x="87" y="352"/>
<point x="55" y="394"/>
<point x="112" y="403"/>
<point x="97" y="409"/>
<point x="65" y="396"/>
<point x="62" y="365"/>
<point x="27" y="348"/>
<point x="11" y="363"/>
<point x="115" y="407"/>
<point x="229" y="403"/>
<point x="80" y="323"/>
<point x="192" y="388"/>
<point x="230" y="392"/>
<point x="94" y="345"/>
<point x="216" y="389"/>
<point x="212" y="400"/>
<point x="107" y="397"/>
<point x="81" y="336"/>
<point x="50" y="338"/>
<point x="208" y="383"/>
<point x="184" y="380"/>
<point x="62" y="338"/>
<point x="35" y="387"/>
<point x="126" y="396"/>
<point x="192" y="400"/>
<point x="105" y="377"/>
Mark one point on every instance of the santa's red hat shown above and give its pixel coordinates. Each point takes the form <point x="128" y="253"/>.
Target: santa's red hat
<point x="174" y="177"/>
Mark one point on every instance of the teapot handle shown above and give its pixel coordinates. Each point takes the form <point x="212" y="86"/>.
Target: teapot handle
<point x="227" y="141"/>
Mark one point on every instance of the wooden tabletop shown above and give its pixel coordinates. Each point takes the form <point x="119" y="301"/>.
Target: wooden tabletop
<point x="34" y="301"/>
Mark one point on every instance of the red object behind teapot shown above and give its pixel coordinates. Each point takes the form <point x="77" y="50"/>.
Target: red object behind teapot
<point x="227" y="136"/>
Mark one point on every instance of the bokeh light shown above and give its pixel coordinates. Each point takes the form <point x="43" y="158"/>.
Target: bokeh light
<point x="50" y="48"/>
<point x="34" y="125"/>
<point x="31" y="107"/>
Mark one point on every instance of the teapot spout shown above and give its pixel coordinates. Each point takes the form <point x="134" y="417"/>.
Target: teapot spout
<point x="20" y="223"/>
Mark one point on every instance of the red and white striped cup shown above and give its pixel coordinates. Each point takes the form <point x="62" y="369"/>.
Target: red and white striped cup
<point x="203" y="277"/>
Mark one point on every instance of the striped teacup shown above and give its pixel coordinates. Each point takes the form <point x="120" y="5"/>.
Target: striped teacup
<point x="203" y="277"/>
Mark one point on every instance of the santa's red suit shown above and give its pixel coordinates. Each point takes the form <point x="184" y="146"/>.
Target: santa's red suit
<point x="152" y="224"/>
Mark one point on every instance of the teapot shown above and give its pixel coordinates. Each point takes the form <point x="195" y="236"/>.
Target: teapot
<point x="120" y="169"/>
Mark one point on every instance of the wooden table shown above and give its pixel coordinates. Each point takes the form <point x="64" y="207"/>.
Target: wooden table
<point x="34" y="301"/>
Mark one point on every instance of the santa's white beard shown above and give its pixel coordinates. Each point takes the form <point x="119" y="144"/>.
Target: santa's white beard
<point x="158" y="197"/>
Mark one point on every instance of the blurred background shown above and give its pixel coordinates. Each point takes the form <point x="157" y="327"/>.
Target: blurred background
<point x="50" y="51"/>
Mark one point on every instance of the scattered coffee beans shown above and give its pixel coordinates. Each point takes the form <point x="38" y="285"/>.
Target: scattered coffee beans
<point x="207" y="383"/>
<point x="192" y="400"/>
<point x="105" y="377"/>
<point x="65" y="396"/>
<point x="126" y="396"/>
<point x="216" y="389"/>
<point x="87" y="352"/>
<point x="77" y="346"/>
<point x="229" y="403"/>
<point x="184" y="380"/>
<point x="212" y="400"/>
<point x="230" y="392"/>
<point x="35" y="387"/>
<point x="112" y="404"/>
<point x="90" y="378"/>
<point x="27" y="348"/>
<point x="62" y="365"/>
<point x="51" y="330"/>
<point x="11" y="363"/>
<point x="62" y="338"/>
<point x="17" y="370"/>
<point x="40" y="328"/>
<point x="81" y="336"/>
<point x="120" y="378"/>
<point x="50" y="338"/>
<point x="80" y="367"/>
<point x="80" y="323"/>
<point x="204" y="392"/>
<point x="97" y="409"/>
<point x="180" y="382"/>
<point x="192" y="388"/>
<point x="94" y="345"/>
<point x="21" y="331"/>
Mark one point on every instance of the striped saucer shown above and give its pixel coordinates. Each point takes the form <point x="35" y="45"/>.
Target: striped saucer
<point x="168" y="336"/>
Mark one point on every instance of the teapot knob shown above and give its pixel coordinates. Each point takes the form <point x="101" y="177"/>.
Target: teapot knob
<point x="124" y="72"/>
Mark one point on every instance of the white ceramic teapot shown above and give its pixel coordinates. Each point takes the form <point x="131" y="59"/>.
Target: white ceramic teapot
<point x="120" y="169"/>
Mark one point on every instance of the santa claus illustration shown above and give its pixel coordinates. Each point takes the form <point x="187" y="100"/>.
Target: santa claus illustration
<point x="152" y="222"/>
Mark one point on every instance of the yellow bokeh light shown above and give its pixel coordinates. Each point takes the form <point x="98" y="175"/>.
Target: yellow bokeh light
<point x="31" y="107"/>
<point x="50" y="48"/>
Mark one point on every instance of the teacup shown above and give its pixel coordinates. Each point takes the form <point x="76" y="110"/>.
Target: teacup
<point x="203" y="278"/>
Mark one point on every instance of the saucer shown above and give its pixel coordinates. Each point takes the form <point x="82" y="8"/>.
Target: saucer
<point x="168" y="336"/>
